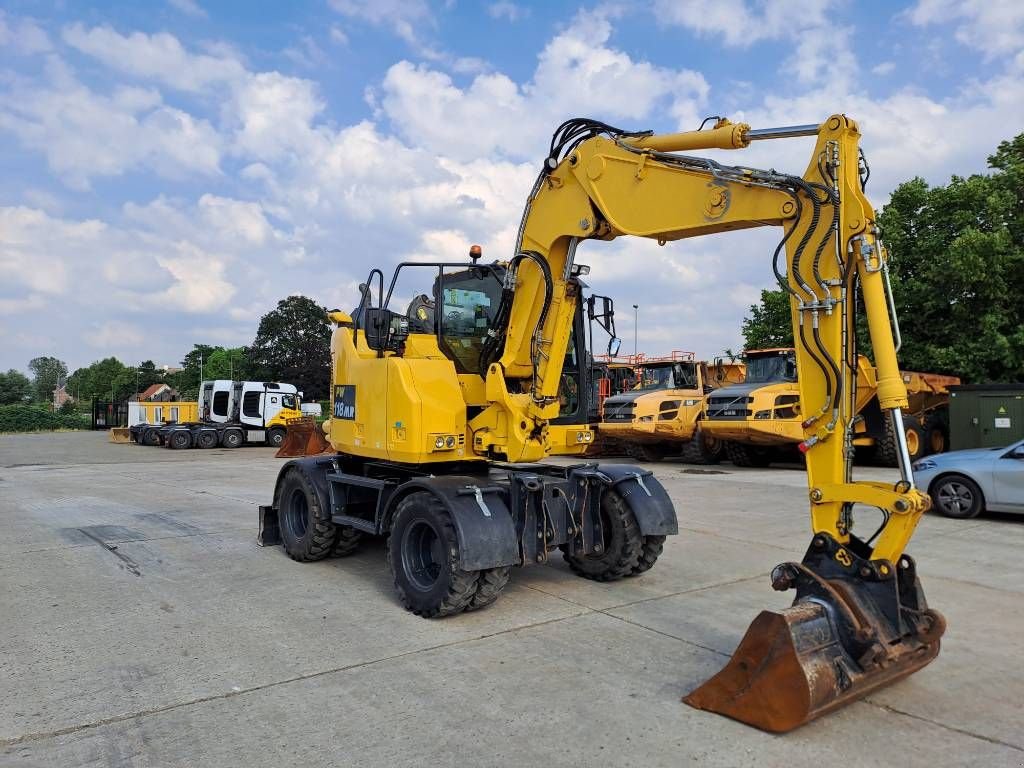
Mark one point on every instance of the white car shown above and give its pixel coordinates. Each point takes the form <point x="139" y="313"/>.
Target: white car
<point x="965" y="483"/>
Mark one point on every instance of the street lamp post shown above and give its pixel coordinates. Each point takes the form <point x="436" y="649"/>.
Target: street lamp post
<point x="636" y="325"/>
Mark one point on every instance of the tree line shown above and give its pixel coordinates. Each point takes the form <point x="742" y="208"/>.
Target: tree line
<point x="292" y="344"/>
<point x="957" y="269"/>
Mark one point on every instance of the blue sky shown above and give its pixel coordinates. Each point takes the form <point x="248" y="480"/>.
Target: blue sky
<point x="169" y="170"/>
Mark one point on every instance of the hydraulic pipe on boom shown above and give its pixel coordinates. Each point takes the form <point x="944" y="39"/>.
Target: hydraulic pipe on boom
<point x="858" y="599"/>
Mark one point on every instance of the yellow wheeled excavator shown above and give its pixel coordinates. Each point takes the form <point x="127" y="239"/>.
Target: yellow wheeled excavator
<point x="439" y="428"/>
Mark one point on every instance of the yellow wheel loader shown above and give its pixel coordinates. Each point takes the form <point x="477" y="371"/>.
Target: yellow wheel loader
<point x="439" y="429"/>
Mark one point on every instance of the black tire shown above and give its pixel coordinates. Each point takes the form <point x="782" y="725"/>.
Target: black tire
<point x="206" y="439"/>
<point x="957" y="496"/>
<point x="652" y="548"/>
<point x="275" y="437"/>
<point x="151" y="437"/>
<point x="651" y="452"/>
<point x="232" y="438"/>
<point x="886" y="452"/>
<point x="622" y="546"/>
<point x="306" y="530"/>
<point x="936" y="433"/>
<point x="489" y="586"/>
<point x="747" y="455"/>
<point x="179" y="439"/>
<point x="423" y="556"/>
<point x="346" y="542"/>
<point x="702" y="448"/>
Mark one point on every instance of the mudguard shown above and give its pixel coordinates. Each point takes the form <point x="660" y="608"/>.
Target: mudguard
<point x="487" y="536"/>
<point x="645" y="496"/>
<point x="316" y="469"/>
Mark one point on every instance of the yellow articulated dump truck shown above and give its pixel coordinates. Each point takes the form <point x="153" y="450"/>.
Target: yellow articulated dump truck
<point x="761" y="420"/>
<point x="661" y="415"/>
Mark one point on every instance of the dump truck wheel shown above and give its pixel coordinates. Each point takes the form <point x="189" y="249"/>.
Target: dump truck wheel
<point x="232" y="438"/>
<point x="936" y="434"/>
<point x="275" y="437"/>
<point x="179" y="439"/>
<point x="652" y="548"/>
<point x="651" y="452"/>
<point x="306" y="531"/>
<point x="957" y="496"/>
<point x="886" y="452"/>
<point x="747" y="456"/>
<point x="423" y="557"/>
<point x="702" y="449"/>
<point x="206" y="439"/>
<point x="489" y="586"/>
<point x="347" y="541"/>
<point x="622" y="546"/>
<point x="151" y="437"/>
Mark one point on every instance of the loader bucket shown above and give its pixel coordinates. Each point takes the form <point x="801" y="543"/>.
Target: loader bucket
<point x="303" y="437"/>
<point x="850" y="632"/>
<point x="120" y="435"/>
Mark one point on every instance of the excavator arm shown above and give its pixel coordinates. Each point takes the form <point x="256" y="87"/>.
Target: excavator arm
<point x="860" y="619"/>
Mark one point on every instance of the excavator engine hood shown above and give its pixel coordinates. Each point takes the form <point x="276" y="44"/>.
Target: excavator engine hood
<point x="855" y="626"/>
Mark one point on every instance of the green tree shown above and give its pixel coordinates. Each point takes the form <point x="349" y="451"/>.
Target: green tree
<point x="958" y="270"/>
<point x="293" y="345"/>
<point x="47" y="374"/>
<point x="231" y="363"/>
<point x="769" y="324"/>
<point x="102" y="379"/>
<point x="15" y="387"/>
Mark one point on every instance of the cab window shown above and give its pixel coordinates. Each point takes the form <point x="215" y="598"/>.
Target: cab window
<point x="288" y="401"/>
<point x="466" y="311"/>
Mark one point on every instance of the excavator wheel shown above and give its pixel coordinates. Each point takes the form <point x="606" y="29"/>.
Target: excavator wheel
<point x="306" y="530"/>
<point x="702" y="448"/>
<point x="346" y="542"/>
<point x="652" y="548"/>
<point x="491" y="582"/>
<point x="747" y="455"/>
<point x="423" y="558"/>
<point x="622" y="548"/>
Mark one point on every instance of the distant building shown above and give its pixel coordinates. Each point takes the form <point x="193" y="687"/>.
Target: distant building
<point x="156" y="393"/>
<point x="169" y="369"/>
<point x="60" y="396"/>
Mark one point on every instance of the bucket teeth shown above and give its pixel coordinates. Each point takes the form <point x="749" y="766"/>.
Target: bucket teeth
<point x="846" y="635"/>
<point x="303" y="438"/>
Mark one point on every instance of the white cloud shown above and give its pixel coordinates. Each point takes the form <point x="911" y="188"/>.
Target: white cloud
<point x="22" y="36"/>
<point x="274" y="113"/>
<point x="507" y="10"/>
<point x="740" y="22"/>
<point x="403" y="17"/>
<point x="189" y="8"/>
<point x="995" y="27"/>
<point x="884" y="68"/>
<point x="114" y="335"/>
<point x="159" y="57"/>
<point x="337" y="35"/>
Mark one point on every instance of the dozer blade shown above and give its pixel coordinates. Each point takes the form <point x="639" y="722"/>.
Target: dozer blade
<point x="120" y="435"/>
<point x="303" y="437"/>
<point x="856" y="625"/>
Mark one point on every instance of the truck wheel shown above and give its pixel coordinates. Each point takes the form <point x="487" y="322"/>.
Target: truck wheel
<point x="747" y="455"/>
<point x="652" y="548"/>
<point x="151" y="437"/>
<point x="886" y="452"/>
<point x="275" y="437"/>
<point x="306" y="531"/>
<point x="702" y="448"/>
<point x="491" y="582"/>
<point x="423" y="556"/>
<point x="179" y="439"/>
<point x="347" y="541"/>
<point x="651" y="452"/>
<point x="957" y="496"/>
<point x="936" y="434"/>
<point x="232" y="438"/>
<point x="622" y="546"/>
<point x="206" y="439"/>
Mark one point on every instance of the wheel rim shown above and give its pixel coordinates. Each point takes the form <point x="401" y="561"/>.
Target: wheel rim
<point x="955" y="498"/>
<point x="913" y="443"/>
<point x="422" y="555"/>
<point x="232" y="439"/>
<point x="298" y="513"/>
<point x="276" y="438"/>
<point x="938" y="441"/>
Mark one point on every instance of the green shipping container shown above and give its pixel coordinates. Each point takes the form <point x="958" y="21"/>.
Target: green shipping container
<point x="985" y="415"/>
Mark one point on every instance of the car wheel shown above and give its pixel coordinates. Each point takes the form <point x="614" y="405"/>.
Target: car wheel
<point x="957" y="496"/>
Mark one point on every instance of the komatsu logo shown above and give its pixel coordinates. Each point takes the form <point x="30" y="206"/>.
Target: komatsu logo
<point x="345" y="401"/>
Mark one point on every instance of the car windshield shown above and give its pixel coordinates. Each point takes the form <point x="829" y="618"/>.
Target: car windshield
<point x="770" y="368"/>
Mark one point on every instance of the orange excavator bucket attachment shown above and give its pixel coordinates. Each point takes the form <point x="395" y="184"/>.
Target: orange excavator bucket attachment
<point x="856" y="625"/>
<point x="303" y="437"/>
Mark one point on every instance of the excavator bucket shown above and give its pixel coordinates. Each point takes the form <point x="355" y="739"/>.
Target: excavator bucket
<point x="303" y="437"/>
<point x="120" y="435"/>
<point x="856" y="625"/>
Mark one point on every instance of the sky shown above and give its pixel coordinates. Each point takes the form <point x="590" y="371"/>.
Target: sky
<point x="169" y="170"/>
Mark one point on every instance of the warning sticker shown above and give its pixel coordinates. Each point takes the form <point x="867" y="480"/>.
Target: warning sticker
<point x="1003" y="423"/>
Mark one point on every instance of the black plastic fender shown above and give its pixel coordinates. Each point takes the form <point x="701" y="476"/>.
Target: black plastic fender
<point x="313" y="467"/>
<point x="483" y="522"/>
<point x="644" y="494"/>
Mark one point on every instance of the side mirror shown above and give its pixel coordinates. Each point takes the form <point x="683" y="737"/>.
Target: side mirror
<point x="384" y="329"/>
<point x="613" y="345"/>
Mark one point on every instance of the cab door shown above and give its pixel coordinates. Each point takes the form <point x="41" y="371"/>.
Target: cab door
<point x="253" y="404"/>
<point x="1008" y="479"/>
